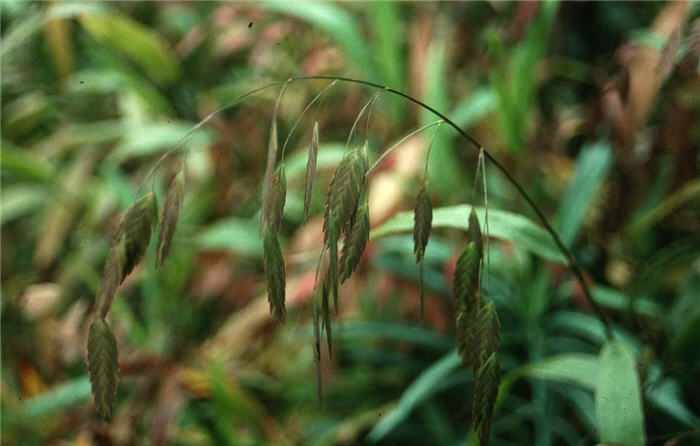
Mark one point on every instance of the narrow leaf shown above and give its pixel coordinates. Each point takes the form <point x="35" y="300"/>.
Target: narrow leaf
<point x="618" y="397"/>
<point x="275" y="274"/>
<point x="311" y="171"/>
<point x="103" y="366"/>
<point x="170" y="216"/>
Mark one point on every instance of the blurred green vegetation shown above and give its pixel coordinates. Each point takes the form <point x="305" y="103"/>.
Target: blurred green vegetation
<point x="594" y="108"/>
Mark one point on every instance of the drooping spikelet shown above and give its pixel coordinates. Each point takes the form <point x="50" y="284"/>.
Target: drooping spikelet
<point x="103" y="366"/>
<point x="488" y="379"/>
<point x="310" y="171"/>
<point x="274" y="273"/>
<point x="485" y="335"/>
<point x="355" y="243"/>
<point x="128" y="246"/>
<point x="466" y="278"/>
<point x="422" y="221"/>
<point x="344" y="192"/>
<point x="170" y="216"/>
<point x="277" y="198"/>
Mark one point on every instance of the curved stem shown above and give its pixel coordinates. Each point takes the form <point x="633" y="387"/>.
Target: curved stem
<point x="572" y="262"/>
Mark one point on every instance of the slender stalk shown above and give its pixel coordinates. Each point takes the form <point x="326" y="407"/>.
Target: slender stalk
<point x="398" y="143"/>
<point x="572" y="262"/>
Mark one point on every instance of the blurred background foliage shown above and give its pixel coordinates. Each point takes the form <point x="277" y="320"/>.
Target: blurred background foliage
<point x="594" y="107"/>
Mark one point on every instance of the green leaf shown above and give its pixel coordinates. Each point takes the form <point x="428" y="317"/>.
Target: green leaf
<point x="520" y="230"/>
<point x="592" y="167"/>
<point x="573" y="368"/>
<point x="426" y="385"/>
<point x="232" y="234"/>
<point x="135" y="41"/>
<point x="340" y="25"/>
<point x="618" y="397"/>
<point x="59" y="398"/>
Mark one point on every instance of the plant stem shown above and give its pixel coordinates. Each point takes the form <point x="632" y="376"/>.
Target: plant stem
<point x="572" y="262"/>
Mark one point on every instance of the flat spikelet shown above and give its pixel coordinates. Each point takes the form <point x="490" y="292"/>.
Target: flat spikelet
<point x="103" y="366"/>
<point x="344" y="192"/>
<point x="128" y="246"/>
<point x="310" y="171"/>
<point x="475" y="232"/>
<point x="135" y="231"/>
<point x="466" y="279"/>
<point x="333" y="265"/>
<point x="316" y="311"/>
<point x="485" y="335"/>
<point x="274" y="273"/>
<point x="422" y="221"/>
<point x="277" y="198"/>
<point x="355" y="243"/>
<point x="465" y="322"/>
<point x="326" y="310"/>
<point x="170" y="216"/>
<point x="485" y="395"/>
<point x="269" y="171"/>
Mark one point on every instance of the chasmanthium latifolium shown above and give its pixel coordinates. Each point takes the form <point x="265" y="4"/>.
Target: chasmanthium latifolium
<point x="345" y="219"/>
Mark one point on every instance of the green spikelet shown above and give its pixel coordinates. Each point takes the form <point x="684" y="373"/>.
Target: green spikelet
<point x="422" y="221"/>
<point x="485" y="394"/>
<point x="485" y="335"/>
<point x="277" y="198"/>
<point x="103" y="366"/>
<point x="465" y="322"/>
<point x="355" y="243"/>
<point x="475" y="231"/>
<point x="310" y="171"/>
<point x="466" y="279"/>
<point x="274" y="273"/>
<point x="127" y="248"/>
<point x="344" y="192"/>
<point x="170" y="216"/>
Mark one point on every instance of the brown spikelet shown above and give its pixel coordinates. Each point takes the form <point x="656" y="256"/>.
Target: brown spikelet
<point x="355" y="243"/>
<point x="170" y="216"/>
<point x="485" y="335"/>
<point x="316" y="310"/>
<point x="310" y="171"/>
<point x="466" y="278"/>
<point x="269" y="171"/>
<point x="344" y="192"/>
<point x="422" y="222"/>
<point x="103" y="366"/>
<point x="326" y="310"/>
<point x="475" y="231"/>
<point x="274" y="273"/>
<point x="333" y="265"/>
<point x="127" y="248"/>
<point x="488" y="379"/>
<point x="277" y="198"/>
